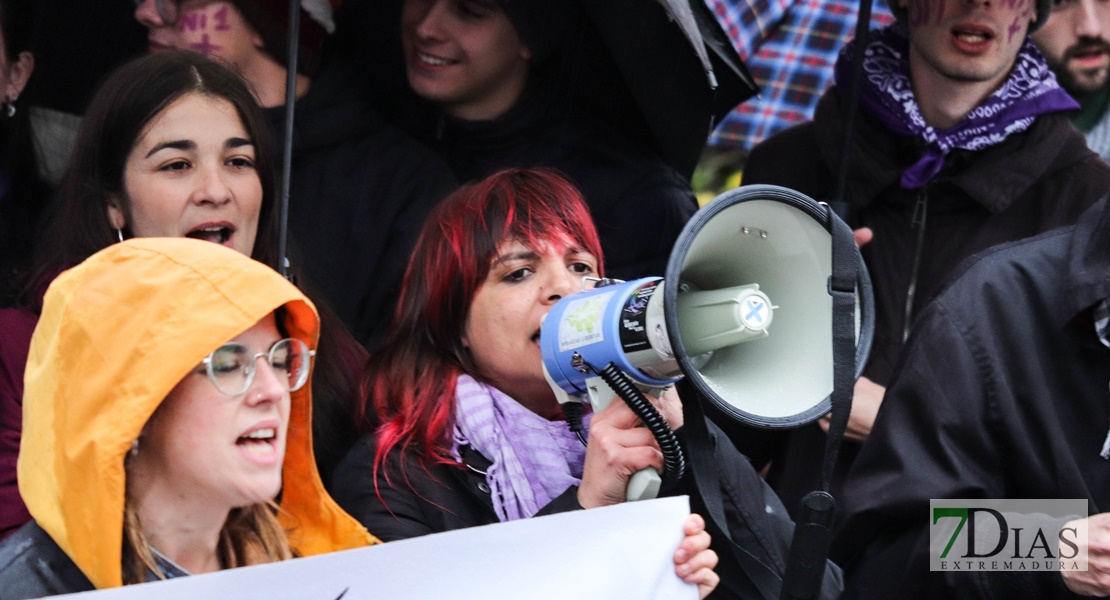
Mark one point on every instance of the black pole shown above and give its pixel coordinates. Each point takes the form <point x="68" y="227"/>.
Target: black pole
<point x="287" y="146"/>
<point x="863" y="25"/>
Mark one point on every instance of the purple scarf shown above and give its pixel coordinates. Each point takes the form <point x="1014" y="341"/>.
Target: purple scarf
<point x="887" y="95"/>
<point x="534" y="460"/>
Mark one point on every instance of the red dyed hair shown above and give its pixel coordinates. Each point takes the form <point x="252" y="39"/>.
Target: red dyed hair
<point x="410" y="382"/>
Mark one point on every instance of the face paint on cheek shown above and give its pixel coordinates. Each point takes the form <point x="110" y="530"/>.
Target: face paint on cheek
<point x="921" y="12"/>
<point x="1015" y="28"/>
<point x="1024" y="9"/>
<point x="918" y="13"/>
<point x="221" y="19"/>
<point x="197" y="21"/>
<point x="192" y="20"/>
<point x="205" y="46"/>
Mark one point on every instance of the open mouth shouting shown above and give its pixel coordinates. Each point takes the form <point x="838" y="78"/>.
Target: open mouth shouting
<point x="220" y="233"/>
<point x="260" y="445"/>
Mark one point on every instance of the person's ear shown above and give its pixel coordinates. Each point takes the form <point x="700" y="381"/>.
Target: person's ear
<point x="115" y="215"/>
<point x="18" y="74"/>
<point x="255" y="37"/>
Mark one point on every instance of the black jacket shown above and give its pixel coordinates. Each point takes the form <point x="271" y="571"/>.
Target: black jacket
<point x="33" y="566"/>
<point x="1001" y="394"/>
<point x="1030" y="183"/>
<point x="359" y="193"/>
<point x="637" y="201"/>
<point x="415" y="502"/>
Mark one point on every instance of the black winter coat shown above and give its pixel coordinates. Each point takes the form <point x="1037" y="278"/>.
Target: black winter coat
<point x="1030" y="183"/>
<point x="33" y="566"/>
<point x="359" y="194"/>
<point x="1001" y="393"/>
<point x="416" y="502"/>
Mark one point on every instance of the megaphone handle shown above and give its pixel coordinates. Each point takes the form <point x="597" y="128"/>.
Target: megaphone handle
<point x="643" y="484"/>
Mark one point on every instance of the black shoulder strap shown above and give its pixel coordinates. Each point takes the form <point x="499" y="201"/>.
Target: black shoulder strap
<point x="708" y="485"/>
<point x="809" y="550"/>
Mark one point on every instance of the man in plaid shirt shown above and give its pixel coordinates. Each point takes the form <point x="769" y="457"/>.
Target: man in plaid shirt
<point x="790" y="47"/>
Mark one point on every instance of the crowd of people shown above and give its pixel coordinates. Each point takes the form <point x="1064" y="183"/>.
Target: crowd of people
<point x="439" y="209"/>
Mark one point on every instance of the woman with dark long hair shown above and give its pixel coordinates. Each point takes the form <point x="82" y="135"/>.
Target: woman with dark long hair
<point x="173" y="145"/>
<point x="471" y="432"/>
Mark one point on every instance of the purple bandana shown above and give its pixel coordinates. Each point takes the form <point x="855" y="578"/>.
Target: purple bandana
<point x="887" y="94"/>
<point x="534" y="460"/>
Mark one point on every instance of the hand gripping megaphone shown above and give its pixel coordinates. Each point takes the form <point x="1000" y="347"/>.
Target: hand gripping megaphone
<point x="745" y="312"/>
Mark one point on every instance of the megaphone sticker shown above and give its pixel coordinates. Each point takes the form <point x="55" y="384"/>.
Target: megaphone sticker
<point x="633" y="318"/>
<point x="581" y="324"/>
<point x="754" y="313"/>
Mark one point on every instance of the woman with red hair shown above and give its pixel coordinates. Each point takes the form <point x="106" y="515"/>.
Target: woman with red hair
<point x="471" y="432"/>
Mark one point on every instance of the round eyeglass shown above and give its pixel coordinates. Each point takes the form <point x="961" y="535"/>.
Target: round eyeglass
<point x="168" y="10"/>
<point x="231" y="367"/>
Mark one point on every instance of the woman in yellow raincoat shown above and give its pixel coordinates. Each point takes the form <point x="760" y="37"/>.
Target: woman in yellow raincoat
<point x="166" y="406"/>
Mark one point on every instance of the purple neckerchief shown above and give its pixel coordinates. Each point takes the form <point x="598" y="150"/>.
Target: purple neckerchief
<point x="533" y="459"/>
<point x="887" y="94"/>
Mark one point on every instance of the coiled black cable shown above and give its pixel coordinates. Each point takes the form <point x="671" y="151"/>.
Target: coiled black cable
<point x="572" y="414"/>
<point x="674" y="462"/>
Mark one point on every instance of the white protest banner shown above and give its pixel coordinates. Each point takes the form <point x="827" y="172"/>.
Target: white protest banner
<point x="617" y="552"/>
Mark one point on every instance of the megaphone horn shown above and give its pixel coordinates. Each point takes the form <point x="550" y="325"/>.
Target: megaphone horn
<point x="774" y="243"/>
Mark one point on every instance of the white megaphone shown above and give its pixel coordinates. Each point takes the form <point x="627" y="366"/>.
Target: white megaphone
<point x="745" y="313"/>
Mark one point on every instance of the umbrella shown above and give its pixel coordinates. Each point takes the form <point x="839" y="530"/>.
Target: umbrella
<point x="293" y="41"/>
<point x="678" y="66"/>
<point x="790" y="47"/>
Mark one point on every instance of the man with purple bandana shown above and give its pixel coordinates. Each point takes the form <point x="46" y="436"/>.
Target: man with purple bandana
<point x="961" y="142"/>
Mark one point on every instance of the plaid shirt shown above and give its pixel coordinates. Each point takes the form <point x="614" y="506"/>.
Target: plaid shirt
<point x="790" y="47"/>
